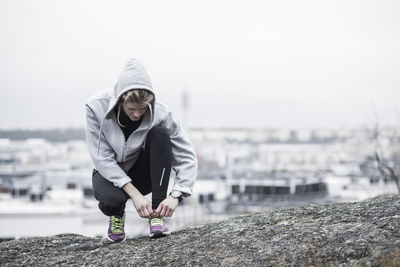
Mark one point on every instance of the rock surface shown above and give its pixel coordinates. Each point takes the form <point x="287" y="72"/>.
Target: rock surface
<point x="342" y="234"/>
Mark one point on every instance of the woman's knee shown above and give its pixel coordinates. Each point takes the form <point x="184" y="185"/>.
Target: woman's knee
<point x="158" y="132"/>
<point x="106" y="192"/>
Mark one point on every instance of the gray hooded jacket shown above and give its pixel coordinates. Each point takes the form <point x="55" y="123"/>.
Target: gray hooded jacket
<point x="112" y="156"/>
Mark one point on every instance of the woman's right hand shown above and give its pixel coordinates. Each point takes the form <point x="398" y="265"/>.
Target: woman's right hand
<point x="142" y="206"/>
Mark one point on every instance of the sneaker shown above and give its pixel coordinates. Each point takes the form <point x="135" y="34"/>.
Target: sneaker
<point x="116" y="231"/>
<point x="158" y="228"/>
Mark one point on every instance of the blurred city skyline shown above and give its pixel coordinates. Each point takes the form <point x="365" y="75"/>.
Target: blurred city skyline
<point x="258" y="64"/>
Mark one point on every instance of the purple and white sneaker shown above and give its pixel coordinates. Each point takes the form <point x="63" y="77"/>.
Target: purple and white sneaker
<point x="116" y="232"/>
<point x="158" y="228"/>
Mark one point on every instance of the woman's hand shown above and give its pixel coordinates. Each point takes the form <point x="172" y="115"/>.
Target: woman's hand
<point x="167" y="206"/>
<point x="142" y="206"/>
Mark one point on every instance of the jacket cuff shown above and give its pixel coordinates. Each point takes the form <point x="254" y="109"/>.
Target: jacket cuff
<point x="123" y="181"/>
<point x="186" y="192"/>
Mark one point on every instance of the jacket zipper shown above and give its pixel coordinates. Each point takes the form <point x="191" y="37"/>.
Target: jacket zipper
<point x="123" y="151"/>
<point x="126" y="142"/>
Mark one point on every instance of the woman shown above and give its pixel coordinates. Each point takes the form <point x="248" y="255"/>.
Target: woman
<point x="134" y="141"/>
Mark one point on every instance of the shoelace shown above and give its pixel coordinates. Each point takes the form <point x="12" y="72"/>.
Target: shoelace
<point x="117" y="225"/>
<point x="156" y="221"/>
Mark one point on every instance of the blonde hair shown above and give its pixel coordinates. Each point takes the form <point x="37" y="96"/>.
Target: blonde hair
<point x="138" y="96"/>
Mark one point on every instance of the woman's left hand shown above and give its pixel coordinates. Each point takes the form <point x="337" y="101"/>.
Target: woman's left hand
<point x="167" y="206"/>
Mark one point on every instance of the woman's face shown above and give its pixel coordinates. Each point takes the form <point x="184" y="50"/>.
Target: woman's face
<point x="134" y="110"/>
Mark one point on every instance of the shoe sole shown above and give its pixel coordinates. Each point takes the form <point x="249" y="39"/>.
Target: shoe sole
<point x="116" y="241"/>
<point x="159" y="234"/>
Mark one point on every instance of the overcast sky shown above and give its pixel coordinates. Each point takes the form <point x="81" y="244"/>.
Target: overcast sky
<point x="244" y="63"/>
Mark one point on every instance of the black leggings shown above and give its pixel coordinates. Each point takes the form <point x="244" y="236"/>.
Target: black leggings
<point x="150" y="174"/>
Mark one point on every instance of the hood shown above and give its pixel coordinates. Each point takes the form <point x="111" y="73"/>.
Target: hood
<point x="133" y="76"/>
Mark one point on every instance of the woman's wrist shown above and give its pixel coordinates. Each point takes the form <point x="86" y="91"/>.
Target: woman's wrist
<point x="175" y="200"/>
<point x="132" y="192"/>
